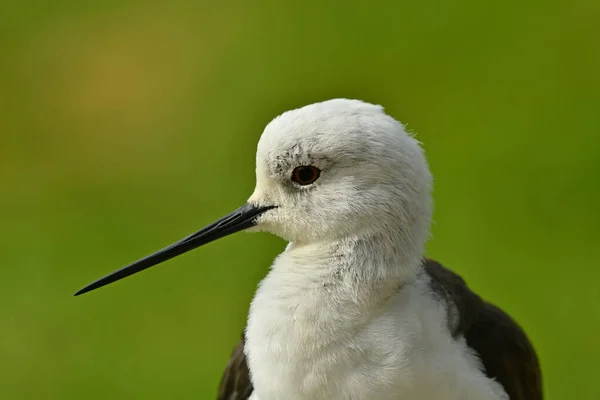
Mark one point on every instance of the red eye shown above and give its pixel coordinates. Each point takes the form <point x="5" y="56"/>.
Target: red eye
<point x="305" y="174"/>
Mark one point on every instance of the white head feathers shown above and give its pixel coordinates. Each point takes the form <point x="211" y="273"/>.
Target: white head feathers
<point x="374" y="178"/>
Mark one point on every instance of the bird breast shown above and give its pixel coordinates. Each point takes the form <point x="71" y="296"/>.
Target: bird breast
<point x="309" y="340"/>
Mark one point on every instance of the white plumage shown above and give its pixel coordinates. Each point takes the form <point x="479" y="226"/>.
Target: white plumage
<point x="346" y="311"/>
<point x="350" y="310"/>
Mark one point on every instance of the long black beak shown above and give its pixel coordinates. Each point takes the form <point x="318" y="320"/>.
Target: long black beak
<point x="240" y="219"/>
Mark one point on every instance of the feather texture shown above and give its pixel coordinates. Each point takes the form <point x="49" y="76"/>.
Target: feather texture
<point x="503" y="347"/>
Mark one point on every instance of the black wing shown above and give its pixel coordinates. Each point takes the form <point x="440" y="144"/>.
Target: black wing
<point x="235" y="383"/>
<point x="503" y="347"/>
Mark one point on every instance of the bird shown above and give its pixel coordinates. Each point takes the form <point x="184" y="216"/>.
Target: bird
<point x="352" y="309"/>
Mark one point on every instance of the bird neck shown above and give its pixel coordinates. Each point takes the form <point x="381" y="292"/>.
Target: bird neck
<point x="349" y="273"/>
<point x="316" y="294"/>
<point x="373" y="256"/>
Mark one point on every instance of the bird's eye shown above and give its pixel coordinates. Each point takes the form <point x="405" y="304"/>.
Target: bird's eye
<point x="305" y="174"/>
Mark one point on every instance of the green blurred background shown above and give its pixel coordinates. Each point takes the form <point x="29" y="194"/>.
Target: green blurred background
<point x="125" y="125"/>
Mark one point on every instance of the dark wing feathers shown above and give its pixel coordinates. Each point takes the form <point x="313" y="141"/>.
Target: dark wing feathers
<point x="503" y="347"/>
<point x="452" y="290"/>
<point x="506" y="353"/>
<point x="235" y="383"/>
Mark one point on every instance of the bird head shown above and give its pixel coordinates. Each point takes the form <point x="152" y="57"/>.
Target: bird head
<point x="324" y="172"/>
